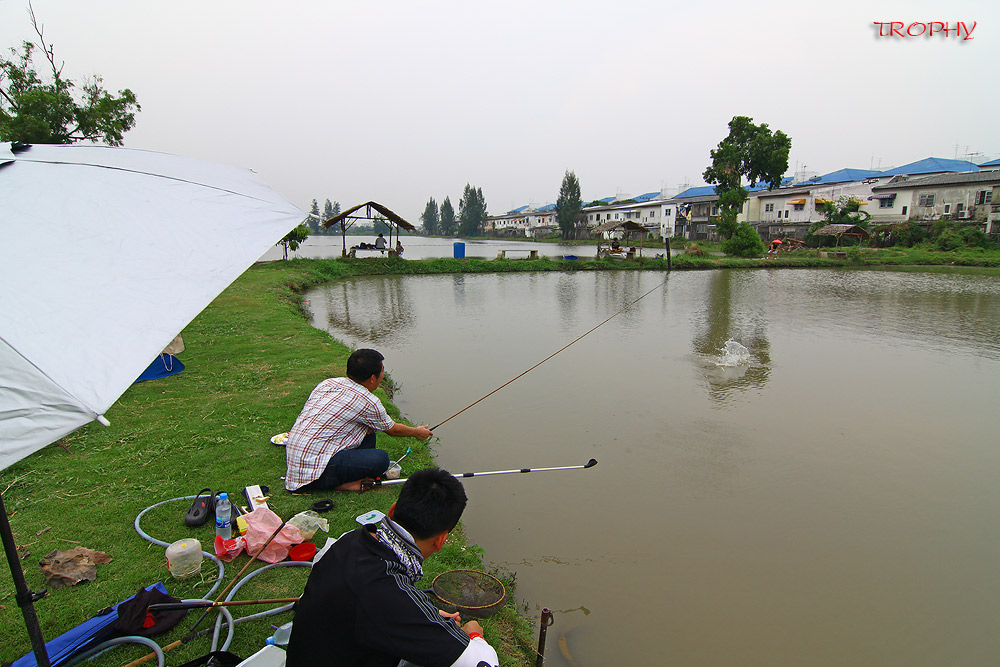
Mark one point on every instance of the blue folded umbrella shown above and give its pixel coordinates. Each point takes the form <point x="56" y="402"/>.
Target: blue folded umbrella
<point x="88" y="633"/>
<point x="163" y="366"/>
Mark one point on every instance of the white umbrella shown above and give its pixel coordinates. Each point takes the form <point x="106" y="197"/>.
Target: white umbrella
<point x="105" y="255"/>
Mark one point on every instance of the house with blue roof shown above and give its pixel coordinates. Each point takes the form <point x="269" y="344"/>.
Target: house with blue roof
<point x="651" y="210"/>
<point x="932" y="165"/>
<point x="966" y="197"/>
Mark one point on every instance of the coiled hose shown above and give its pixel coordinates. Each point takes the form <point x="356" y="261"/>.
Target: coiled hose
<point x="223" y="611"/>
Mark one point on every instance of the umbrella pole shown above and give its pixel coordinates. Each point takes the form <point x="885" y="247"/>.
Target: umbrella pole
<point x="25" y="598"/>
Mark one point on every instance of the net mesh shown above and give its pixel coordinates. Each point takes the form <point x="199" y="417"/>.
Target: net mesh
<point x="469" y="590"/>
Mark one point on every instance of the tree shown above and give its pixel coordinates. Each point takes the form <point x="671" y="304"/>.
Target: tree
<point x="33" y="110"/>
<point x="744" y="242"/>
<point x="448" y="223"/>
<point x="752" y="152"/>
<point x="845" y="211"/>
<point x="314" y="218"/>
<point x="430" y="218"/>
<point x="294" y="238"/>
<point x="569" y="204"/>
<point x="471" y="212"/>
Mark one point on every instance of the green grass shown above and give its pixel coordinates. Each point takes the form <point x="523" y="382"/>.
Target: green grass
<point x="252" y="360"/>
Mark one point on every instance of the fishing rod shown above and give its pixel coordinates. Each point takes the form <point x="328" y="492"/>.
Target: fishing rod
<point x="622" y="310"/>
<point x="385" y="482"/>
<point x="199" y="604"/>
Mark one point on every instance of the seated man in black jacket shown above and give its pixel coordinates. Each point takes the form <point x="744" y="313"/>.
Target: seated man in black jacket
<point x="360" y="607"/>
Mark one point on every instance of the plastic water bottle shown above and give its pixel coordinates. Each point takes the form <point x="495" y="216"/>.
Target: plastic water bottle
<point x="223" y="517"/>
<point x="281" y="635"/>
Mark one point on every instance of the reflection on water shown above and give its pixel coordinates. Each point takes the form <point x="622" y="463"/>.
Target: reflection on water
<point x="721" y="324"/>
<point x="835" y="503"/>
<point x="363" y="311"/>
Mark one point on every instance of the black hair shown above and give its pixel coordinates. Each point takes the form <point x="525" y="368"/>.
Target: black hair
<point x="430" y="503"/>
<point x="363" y="364"/>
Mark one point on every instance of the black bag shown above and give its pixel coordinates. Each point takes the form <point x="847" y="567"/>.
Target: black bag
<point x="135" y="619"/>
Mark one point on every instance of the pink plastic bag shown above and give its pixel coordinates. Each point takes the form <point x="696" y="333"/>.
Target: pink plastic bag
<point x="261" y="524"/>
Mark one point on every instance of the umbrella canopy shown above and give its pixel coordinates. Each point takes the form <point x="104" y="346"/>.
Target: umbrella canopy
<point x="105" y="255"/>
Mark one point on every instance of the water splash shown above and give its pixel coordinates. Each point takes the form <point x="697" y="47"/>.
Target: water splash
<point x="733" y="354"/>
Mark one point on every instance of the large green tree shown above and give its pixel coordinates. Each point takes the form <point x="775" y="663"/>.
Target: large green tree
<point x="569" y="204"/>
<point x="54" y="109"/>
<point x="430" y="218"/>
<point x="448" y="224"/>
<point x="750" y="152"/>
<point x="471" y="212"/>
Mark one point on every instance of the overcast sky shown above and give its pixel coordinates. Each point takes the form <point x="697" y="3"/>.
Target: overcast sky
<point x="401" y="101"/>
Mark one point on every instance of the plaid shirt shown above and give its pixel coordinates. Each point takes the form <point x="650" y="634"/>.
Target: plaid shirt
<point x="338" y="415"/>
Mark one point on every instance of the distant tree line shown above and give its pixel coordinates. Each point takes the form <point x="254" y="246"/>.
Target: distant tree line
<point x="443" y="221"/>
<point x="314" y="221"/>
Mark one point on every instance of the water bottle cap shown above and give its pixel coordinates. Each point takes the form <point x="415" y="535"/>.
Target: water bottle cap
<point x="270" y="641"/>
<point x="223" y="496"/>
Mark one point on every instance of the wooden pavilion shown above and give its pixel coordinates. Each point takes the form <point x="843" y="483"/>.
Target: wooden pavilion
<point x="843" y="230"/>
<point x="371" y="211"/>
<point x="630" y="229"/>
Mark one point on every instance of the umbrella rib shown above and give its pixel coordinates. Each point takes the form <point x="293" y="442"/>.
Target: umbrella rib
<point x="143" y="173"/>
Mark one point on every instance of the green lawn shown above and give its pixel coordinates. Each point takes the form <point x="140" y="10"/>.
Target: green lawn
<point x="252" y="360"/>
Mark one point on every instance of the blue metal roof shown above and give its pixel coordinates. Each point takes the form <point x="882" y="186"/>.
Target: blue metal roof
<point x="518" y="209"/>
<point x="699" y="191"/>
<point x="764" y="186"/>
<point x="931" y="165"/>
<point x="991" y="163"/>
<point x="647" y="196"/>
<point x="846" y="175"/>
<point x="547" y="207"/>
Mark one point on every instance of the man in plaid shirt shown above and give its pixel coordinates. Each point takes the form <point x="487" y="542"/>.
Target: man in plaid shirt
<point x="332" y="444"/>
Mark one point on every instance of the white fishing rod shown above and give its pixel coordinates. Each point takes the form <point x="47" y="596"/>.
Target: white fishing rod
<point x="381" y="482"/>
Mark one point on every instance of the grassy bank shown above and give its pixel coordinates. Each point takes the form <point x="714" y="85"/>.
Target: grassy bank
<point x="252" y="360"/>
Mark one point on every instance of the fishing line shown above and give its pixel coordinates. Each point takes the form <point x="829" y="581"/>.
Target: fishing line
<point x="623" y="309"/>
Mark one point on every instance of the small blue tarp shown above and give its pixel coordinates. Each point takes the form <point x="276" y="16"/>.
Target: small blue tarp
<point x="93" y="631"/>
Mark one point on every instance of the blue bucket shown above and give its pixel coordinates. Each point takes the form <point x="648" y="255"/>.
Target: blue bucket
<point x="459" y="250"/>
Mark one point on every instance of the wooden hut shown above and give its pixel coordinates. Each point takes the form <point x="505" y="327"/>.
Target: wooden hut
<point x="843" y="230"/>
<point x="369" y="211"/>
<point x="629" y="227"/>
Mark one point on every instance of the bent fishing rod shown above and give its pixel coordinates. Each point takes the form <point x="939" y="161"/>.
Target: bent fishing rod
<point x="385" y="482"/>
<point x="622" y="310"/>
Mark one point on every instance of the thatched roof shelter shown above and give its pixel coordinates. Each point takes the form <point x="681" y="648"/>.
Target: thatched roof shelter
<point x="627" y="226"/>
<point x="630" y="228"/>
<point x="372" y="211"/>
<point x="843" y="230"/>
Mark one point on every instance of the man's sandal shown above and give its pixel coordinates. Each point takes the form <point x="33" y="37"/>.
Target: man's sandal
<point x="200" y="509"/>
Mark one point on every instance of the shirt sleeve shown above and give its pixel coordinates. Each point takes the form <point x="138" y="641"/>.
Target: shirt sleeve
<point x="397" y="619"/>
<point x="376" y="417"/>
<point x="477" y="654"/>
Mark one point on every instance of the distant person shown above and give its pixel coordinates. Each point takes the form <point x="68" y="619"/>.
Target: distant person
<point x="774" y="248"/>
<point x="332" y="444"/>
<point x="380" y="242"/>
<point x="360" y="606"/>
<point x="399" y="248"/>
<point x="616" y="246"/>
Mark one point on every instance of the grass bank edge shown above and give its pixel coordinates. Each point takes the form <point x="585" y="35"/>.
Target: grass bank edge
<point x="252" y="359"/>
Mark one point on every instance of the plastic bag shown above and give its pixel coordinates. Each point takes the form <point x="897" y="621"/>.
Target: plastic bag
<point x="308" y="523"/>
<point x="227" y="550"/>
<point x="261" y="524"/>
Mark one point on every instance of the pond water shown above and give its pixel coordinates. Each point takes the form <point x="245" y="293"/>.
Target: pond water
<point x="832" y="501"/>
